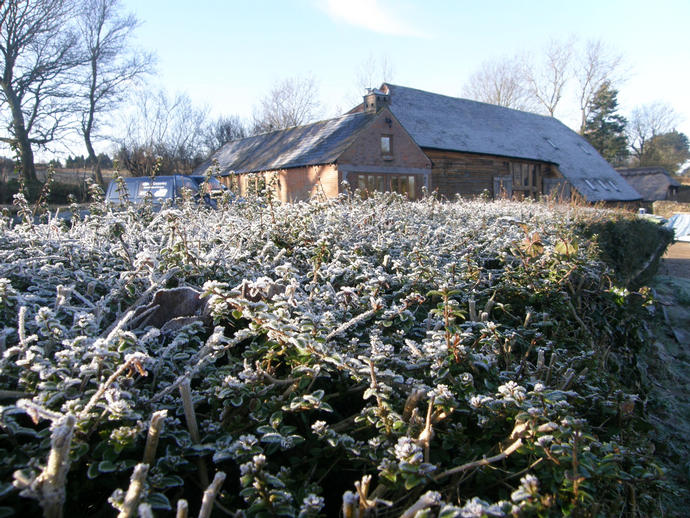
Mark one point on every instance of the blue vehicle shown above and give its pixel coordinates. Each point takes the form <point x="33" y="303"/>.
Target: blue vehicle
<point x="164" y="188"/>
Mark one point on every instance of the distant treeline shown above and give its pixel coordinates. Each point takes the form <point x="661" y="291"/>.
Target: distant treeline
<point x="71" y="162"/>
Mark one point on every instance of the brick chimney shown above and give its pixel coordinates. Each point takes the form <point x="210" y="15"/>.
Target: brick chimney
<point x="375" y="99"/>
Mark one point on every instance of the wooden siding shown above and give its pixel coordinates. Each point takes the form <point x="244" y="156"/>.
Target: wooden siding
<point x="471" y="174"/>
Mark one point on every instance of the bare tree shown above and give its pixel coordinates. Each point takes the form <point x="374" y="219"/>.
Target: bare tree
<point x="501" y="82"/>
<point x="164" y="133"/>
<point x="547" y="79"/>
<point x="291" y="102"/>
<point x="39" y="53"/>
<point x="222" y="130"/>
<point x="648" y="121"/>
<point x="372" y="72"/>
<point x="113" y="65"/>
<point x="595" y="66"/>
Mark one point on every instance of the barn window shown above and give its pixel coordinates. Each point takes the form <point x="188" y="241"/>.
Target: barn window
<point x="386" y="144"/>
<point x="551" y="142"/>
<point x="584" y="148"/>
<point x="613" y="185"/>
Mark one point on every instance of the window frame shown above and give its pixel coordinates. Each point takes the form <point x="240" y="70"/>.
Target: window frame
<point x="389" y="138"/>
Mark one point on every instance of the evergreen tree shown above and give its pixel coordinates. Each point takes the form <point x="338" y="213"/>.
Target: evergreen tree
<point x="668" y="150"/>
<point x="605" y="128"/>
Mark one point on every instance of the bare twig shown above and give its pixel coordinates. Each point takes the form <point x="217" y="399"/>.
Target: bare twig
<point x="189" y="414"/>
<point x="550" y="370"/>
<point x="157" y="420"/>
<point x="145" y="511"/>
<point x="482" y="462"/>
<point x="182" y="509"/>
<point x="193" y="427"/>
<point x="49" y="487"/>
<point x="210" y="495"/>
<point x="347" y="325"/>
<point x="350" y="508"/>
<point x="21" y="327"/>
<point x="428" y="499"/>
<point x="425" y="436"/>
<point x="133" y="360"/>
<point x="136" y="486"/>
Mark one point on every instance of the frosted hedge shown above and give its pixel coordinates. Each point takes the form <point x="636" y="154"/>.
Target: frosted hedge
<point x="357" y="356"/>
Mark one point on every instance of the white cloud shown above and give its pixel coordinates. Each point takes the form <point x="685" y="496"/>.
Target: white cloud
<point x="370" y="15"/>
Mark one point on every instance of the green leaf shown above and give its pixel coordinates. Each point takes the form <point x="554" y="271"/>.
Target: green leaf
<point x="105" y="466"/>
<point x="274" y="481"/>
<point x="79" y="451"/>
<point x="171" y="481"/>
<point x="412" y="481"/>
<point x="272" y="437"/>
<point x="92" y="471"/>
<point x="5" y="489"/>
<point x="159" y="501"/>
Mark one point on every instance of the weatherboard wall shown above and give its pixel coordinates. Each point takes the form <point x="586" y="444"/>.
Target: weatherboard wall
<point x="470" y="174"/>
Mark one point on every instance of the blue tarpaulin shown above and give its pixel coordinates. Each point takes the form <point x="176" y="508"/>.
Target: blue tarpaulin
<point x="680" y="224"/>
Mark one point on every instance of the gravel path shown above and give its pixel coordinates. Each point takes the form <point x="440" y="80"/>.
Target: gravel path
<point x="676" y="261"/>
<point x="667" y="367"/>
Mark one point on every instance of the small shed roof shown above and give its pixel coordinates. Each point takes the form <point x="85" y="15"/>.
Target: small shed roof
<point x="318" y="143"/>
<point x="652" y="183"/>
<point x="454" y="124"/>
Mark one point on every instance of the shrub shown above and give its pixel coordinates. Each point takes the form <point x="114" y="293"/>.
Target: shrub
<point x="347" y="355"/>
<point x="627" y="243"/>
<point x="60" y="193"/>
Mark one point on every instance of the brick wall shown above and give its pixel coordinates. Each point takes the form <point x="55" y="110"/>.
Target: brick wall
<point x="296" y="184"/>
<point x="302" y="183"/>
<point x="366" y="149"/>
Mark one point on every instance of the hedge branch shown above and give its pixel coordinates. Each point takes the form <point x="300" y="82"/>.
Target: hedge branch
<point x="192" y="426"/>
<point x="182" y="509"/>
<point x="136" y="487"/>
<point x="133" y="360"/>
<point x="157" y="421"/>
<point x="49" y="487"/>
<point x="482" y="462"/>
<point x="347" y="325"/>
<point x="428" y="499"/>
<point x="210" y="495"/>
<point x="145" y="511"/>
<point x="189" y="414"/>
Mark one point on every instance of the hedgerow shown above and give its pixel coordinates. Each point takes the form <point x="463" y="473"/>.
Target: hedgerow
<point x="366" y="357"/>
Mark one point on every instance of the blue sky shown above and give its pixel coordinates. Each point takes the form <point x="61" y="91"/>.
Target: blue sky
<point x="228" y="54"/>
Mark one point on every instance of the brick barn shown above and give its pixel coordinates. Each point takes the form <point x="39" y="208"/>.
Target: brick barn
<point x="400" y="139"/>
<point x="368" y="150"/>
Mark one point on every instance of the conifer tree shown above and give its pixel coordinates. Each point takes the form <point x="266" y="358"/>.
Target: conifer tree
<point x="605" y="128"/>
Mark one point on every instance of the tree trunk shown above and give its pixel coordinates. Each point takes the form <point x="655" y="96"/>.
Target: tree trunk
<point x="96" y="167"/>
<point x="21" y="139"/>
<point x="26" y="155"/>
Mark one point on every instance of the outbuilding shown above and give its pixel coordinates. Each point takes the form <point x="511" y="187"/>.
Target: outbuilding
<point x="368" y="150"/>
<point x="402" y="139"/>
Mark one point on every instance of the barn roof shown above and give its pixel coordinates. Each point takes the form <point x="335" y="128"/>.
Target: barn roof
<point x="651" y="182"/>
<point x="454" y="124"/>
<point x="318" y="143"/>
